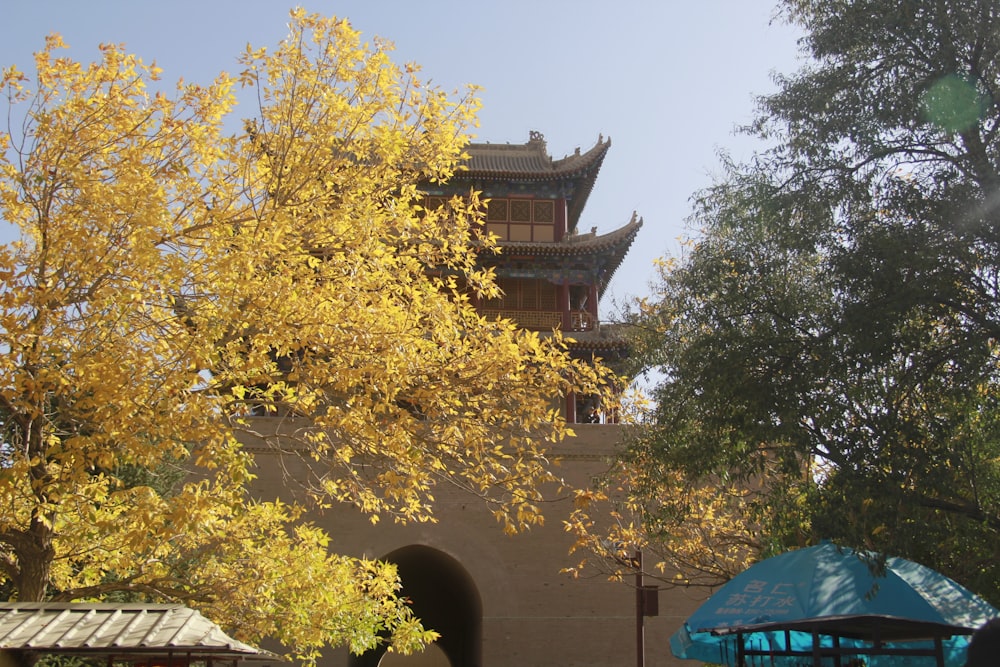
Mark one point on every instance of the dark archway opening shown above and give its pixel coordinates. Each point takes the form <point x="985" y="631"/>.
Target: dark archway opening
<point x="444" y="597"/>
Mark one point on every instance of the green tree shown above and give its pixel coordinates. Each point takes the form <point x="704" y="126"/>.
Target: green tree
<point x="828" y="340"/>
<point x="168" y="280"/>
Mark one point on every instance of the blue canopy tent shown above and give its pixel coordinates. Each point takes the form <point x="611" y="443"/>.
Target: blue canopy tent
<point x="823" y="605"/>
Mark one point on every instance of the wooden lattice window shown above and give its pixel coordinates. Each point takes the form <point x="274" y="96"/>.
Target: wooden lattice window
<point x="496" y="210"/>
<point x="525" y="294"/>
<point x="520" y="210"/>
<point x="522" y="219"/>
<point x="544" y="212"/>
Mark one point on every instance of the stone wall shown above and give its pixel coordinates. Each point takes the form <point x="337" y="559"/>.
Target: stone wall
<point x="531" y="613"/>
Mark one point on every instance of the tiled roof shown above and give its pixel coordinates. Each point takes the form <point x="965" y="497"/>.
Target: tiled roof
<point x="606" y="339"/>
<point x="530" y="161"/>
<point x="590" y="343"/>
<point x="579" y="244"/>
<point x="118" y="630"/>
<point x="605" y="251"/>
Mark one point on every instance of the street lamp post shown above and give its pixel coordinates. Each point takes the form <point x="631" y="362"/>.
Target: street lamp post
<point x="640" y="612"/>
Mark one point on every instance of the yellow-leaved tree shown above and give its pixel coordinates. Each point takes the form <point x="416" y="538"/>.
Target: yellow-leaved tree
<point x="170" y="280"/>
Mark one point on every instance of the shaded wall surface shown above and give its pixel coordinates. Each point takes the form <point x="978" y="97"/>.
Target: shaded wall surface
<point x="501" y="600"/>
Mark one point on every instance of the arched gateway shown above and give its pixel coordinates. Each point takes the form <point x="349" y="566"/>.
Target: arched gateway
<point x="444" y="597"/>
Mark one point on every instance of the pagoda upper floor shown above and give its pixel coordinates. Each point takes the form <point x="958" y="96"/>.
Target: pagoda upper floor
<point x="510" y="174"/>
<point x="552" y="275"/>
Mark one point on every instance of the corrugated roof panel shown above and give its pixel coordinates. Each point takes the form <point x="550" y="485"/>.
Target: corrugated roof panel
<point x="26" y="626"/>
<point x="126" y="634"/>
<point x="180" y="631"/>
<point x="154" y="630"/>
<point x="77" y="629"/>
<point x="114" y="629"/>
<point x="103" y="624"/>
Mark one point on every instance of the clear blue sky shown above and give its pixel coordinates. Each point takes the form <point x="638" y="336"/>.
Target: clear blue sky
<point x="667" y="80"/>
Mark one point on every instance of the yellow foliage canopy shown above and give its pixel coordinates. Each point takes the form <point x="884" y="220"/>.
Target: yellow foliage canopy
<point x="170" y="280"/>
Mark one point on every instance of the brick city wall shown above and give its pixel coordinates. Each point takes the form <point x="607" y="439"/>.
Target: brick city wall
<point x="531" y="614"/>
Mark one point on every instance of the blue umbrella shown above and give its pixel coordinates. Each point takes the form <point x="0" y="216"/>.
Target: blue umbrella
<point x="824" y="600"/>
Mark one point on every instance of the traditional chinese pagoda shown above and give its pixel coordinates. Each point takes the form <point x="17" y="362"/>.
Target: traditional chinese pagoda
<point x="498" y="600"/>
<point x="552" y="275"/>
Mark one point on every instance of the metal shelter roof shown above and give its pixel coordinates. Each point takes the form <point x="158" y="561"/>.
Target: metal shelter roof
<point x="825" y="602"/>
<point x="866" y="627"/>
<point x="130" y="631"/>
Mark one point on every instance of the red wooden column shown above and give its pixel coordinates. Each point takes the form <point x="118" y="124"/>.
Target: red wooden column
<point x="560" y="219"/>
<point x="592" y="303"/>
<point x="565" y="305"/>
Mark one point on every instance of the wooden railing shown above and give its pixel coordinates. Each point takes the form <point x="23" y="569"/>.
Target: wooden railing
<point x="545" y="320"/>
<point x="581" y="320"/>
